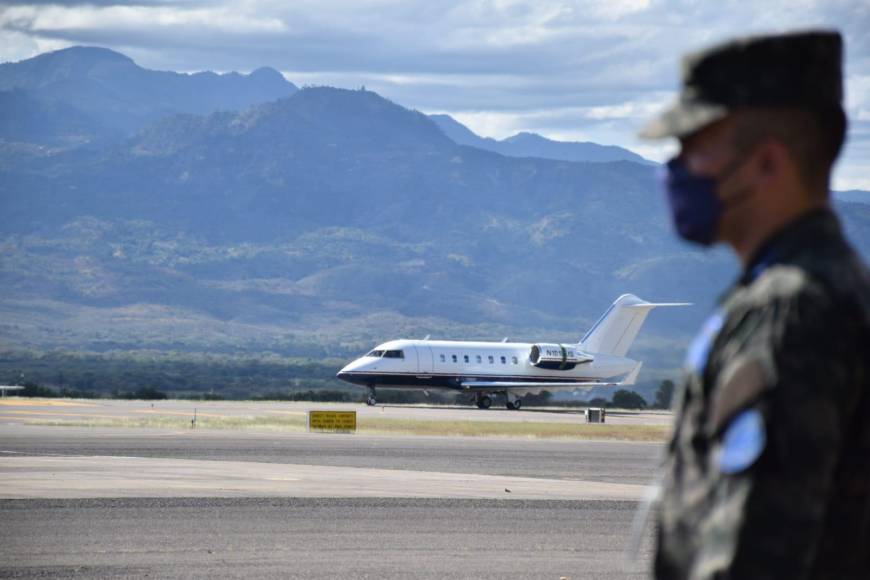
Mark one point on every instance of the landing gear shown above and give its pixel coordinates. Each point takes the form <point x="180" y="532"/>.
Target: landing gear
<point x="484" y="402"/>
<point x="372" y="400"/>
<point x="513" y="402"/>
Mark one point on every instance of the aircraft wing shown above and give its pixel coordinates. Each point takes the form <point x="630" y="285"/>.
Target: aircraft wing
<point x="476" y="385"/>
<point x="490" y="385"/>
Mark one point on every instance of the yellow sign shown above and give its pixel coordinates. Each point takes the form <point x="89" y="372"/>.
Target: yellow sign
<point x="333" y="421"/>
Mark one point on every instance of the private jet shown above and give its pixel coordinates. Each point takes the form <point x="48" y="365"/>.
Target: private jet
<point x="512" y="369"/>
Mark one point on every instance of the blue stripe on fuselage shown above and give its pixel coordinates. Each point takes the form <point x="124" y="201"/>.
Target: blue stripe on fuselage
<point x="442" y="380"/>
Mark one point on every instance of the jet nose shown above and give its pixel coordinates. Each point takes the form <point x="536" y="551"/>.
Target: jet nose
<point x="344" y="374"/>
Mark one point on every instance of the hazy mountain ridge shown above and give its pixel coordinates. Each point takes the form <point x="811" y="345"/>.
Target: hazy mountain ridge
<point x="401" y="221"/>
<point x="110" y="96"/>
<point x="527" y="144"/>
<point x="853" y="196"/>
<point x="326" y="221"/>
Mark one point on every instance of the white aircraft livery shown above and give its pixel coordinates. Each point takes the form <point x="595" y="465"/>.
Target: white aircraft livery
<point x="510" y="368"/>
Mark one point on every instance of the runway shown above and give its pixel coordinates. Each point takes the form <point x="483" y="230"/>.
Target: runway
<point x="110" y="502"/>
<point x="315" y="538"/>
<point x="605" y="461"/>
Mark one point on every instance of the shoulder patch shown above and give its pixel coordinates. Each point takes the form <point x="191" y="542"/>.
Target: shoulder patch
<point x="740" y="383"/>
<point x="699" y="350"/>
<point x="743" y="442"/>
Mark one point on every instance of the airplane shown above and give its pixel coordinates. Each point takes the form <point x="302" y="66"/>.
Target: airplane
<point x="512" y="369"/>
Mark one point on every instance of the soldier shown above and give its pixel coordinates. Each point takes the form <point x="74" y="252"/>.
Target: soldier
<point x="768" y="470"/>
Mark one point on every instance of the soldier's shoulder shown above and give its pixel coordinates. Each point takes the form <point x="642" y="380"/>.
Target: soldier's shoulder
<point x="835" y="272"/>
<point x="811" y="255"/>
<point x="782" y="281"/>
<point x="827" y="272"/>
<point x="777" y="287"/>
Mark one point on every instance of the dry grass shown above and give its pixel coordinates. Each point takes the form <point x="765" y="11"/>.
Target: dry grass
<point x="517" y="429"/>
<point x="369" y="425"/>
<point x="241" y="423"/>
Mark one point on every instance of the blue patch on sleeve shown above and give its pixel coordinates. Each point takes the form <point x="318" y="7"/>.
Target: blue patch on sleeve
<point x="743" y="443"/>
<point x="699" y="350"/>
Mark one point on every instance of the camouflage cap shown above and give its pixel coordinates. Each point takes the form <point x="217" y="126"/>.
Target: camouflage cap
<point x="799" y="70"/>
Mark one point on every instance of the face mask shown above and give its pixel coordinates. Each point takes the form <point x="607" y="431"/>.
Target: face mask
<point x="696" y="209"/>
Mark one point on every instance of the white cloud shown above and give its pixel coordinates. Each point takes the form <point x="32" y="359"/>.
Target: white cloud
<point x="489" y="124"/>
<point x="54" y="18"/>
<point x="858" y="96"/>
<point x="17" y="45"/>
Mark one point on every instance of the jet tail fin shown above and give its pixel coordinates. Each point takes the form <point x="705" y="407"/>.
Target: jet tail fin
<point x="615" y="332"/>
<point x="631" y="377"/>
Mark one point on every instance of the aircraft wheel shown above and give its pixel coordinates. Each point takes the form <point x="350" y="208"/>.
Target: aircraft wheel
<point x="484" y="402"/>
<point x="515" y="406"/>
<point x="371" y="401"/>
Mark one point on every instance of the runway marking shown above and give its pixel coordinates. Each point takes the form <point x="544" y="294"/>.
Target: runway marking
<point x="111" y="477"/>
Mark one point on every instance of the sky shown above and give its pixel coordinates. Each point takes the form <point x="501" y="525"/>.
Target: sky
<point x="584" y="70"/>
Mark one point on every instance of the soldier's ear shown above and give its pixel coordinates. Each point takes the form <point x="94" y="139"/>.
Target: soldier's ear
<point x="772" y="163"/>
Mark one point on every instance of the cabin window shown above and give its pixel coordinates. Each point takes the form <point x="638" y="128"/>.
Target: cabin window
<point x="465" y="358"/>
<point x="454" y="358"/>
<point x="479" y="359"/>
<point x="394" y="354"/>
<point x="443" y="358"/>
<point x="503" y="360"/>
<point x="376" y="353"/>
<point x="514" y="360"/>
<point x="491" y="359"/>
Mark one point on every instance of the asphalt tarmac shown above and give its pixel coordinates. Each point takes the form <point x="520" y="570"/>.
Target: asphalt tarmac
<point x="105" y="503"/>
<point x="316" y="538"/>
<point x="604" y="461"/>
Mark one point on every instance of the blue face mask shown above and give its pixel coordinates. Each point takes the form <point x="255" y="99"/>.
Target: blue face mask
<point x="695" y="207"/>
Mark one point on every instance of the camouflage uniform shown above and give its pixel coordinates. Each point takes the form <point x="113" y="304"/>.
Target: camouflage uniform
<point x="768" y="471"/>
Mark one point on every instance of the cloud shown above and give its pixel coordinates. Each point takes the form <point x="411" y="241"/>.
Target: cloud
<point x="858" y="96"/>
<point x="594" y="69"/>
<point x="85" y="20"/>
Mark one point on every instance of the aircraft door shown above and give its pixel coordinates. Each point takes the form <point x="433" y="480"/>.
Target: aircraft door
<point x="413" y="358"/>
<point x="425" y="354"/>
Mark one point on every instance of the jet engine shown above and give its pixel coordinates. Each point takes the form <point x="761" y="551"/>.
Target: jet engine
<point x="561" y="357"/>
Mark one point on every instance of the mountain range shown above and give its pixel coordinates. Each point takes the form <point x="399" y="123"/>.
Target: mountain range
<point x="318" y="223"/>
<point x="81" y="94"/>
<point x="527" y="144"/>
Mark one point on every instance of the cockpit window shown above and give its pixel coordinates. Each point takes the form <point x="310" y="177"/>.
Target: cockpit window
<point x="376" y="353"/>
<point x="394" y="354"/>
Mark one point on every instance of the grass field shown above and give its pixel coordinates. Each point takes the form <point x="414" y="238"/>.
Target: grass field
<point x="386" y="426"/>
